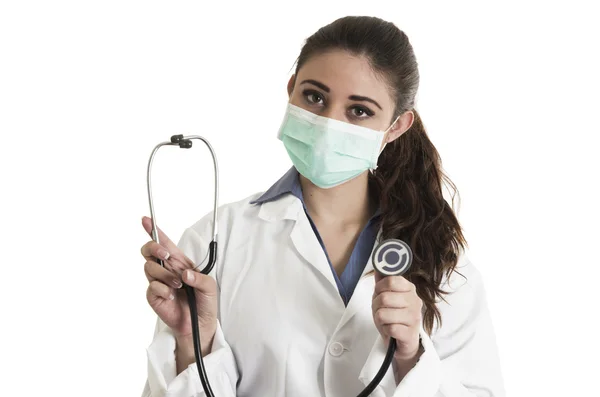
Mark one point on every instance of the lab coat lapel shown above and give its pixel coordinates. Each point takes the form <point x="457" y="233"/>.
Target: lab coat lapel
<point x="302" y="236"/>
<point x="363" y="293"/>
<point x="308" y="246"/>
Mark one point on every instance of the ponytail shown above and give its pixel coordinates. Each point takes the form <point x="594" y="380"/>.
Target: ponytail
<point x="408" y="181"/>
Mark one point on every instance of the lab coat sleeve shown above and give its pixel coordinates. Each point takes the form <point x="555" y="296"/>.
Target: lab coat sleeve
<point x="459" y="360"/>
<point x="220" y="365"/>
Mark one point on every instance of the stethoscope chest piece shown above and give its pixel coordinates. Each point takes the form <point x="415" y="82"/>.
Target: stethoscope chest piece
<point x="392" y="257"/>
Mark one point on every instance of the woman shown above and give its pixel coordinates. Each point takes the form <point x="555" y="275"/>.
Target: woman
<point x="293" y="307"/>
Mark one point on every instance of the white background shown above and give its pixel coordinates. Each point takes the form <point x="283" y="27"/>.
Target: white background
<point x="509" y="95"/>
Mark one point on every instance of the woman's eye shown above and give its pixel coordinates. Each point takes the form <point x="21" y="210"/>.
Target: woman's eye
<point x="360" y="112"/>
<point x="313" y="97"/>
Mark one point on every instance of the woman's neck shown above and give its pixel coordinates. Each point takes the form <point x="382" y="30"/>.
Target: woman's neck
<point x="346" y="204"/>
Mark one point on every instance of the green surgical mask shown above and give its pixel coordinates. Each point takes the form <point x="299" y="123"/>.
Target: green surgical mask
<point x="328" y="152"/>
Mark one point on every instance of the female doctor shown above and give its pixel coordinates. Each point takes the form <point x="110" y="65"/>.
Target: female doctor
<point x="293" y="306"/>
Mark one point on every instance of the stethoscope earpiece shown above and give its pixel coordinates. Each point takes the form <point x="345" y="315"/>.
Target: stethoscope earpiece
<point x="392" y="257"/>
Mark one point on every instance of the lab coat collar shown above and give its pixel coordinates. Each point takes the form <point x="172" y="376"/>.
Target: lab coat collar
<point x="283" y="200"/>
<point x="286" y="207"/>
<point x="288" y="183"/>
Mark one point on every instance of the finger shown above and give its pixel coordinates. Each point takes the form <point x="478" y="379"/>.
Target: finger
<point x="160" y="290"/>
<point x="393" y="283"/>
<point x="175" y="261"/>
<point x="162" y="237"/>
<point x="386" y="316"/>
<point x="153" y="250"/>
<point x="202" y="282"/>
<point x="400" y="332"/>
<point x="155" y="272"/>
<point x="392" y="300"/>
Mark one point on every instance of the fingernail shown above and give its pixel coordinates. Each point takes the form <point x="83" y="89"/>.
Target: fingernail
<point x="189" y="275"/>
<point x="171" y="297"/>
<point x="177" y="283"/>
<point x="164" y="254"/>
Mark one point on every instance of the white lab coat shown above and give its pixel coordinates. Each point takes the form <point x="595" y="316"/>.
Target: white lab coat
<point x="284" y="331"/>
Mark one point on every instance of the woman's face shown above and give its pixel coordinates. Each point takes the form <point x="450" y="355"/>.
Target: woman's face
<point x="342" y="86"/>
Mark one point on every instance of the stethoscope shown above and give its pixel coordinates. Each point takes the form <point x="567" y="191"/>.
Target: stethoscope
<point x="391" y="257"/>
<point x="185" y="142"/>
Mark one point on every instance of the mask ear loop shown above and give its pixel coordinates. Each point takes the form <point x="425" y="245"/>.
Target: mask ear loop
<point x="384" y="140"/>
<point x="385" y="134"/>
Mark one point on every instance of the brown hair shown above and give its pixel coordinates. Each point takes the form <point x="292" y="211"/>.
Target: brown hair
<point x="409" y="176"/>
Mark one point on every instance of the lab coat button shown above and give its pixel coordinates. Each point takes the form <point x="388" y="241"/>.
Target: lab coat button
<point x="336" y="349"/>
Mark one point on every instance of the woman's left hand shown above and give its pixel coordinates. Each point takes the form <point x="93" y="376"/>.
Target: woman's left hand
<point x="397" y="314"/>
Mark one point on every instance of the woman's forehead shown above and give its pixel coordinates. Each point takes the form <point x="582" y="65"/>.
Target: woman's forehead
<point x="345" y="74"/>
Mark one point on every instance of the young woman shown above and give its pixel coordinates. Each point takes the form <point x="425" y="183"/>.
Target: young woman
<point x="293" y="306"/>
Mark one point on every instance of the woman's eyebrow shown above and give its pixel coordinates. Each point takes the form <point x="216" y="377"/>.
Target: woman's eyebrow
<point x="351" y="97"/>
<point x="364" y="98"/>
<point x="318" y="84"/>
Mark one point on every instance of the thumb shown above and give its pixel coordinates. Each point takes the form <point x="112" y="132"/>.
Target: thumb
<point x="147" y="224"/>
<point x="165" y="241"/>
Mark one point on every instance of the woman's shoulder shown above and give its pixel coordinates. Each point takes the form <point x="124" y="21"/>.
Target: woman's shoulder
<point x="464" y="294"/>
<point x="197" y="236"/>
<point x="255" y="207"/>
<point x="464" y="275"/>
<point x="227" y="212"/>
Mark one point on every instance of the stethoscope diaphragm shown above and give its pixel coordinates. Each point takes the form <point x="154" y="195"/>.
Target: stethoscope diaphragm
<point x="392" y="257"/>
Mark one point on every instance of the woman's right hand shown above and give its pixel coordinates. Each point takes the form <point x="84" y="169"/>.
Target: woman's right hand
<point x="169" y="300"/>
